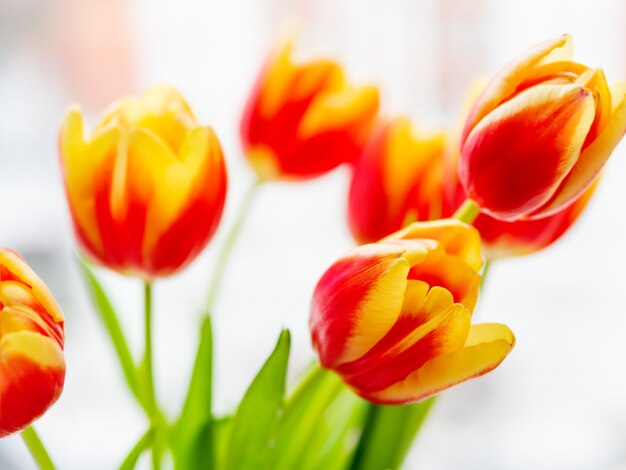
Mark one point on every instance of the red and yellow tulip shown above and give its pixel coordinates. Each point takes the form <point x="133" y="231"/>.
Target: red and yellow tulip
<point x="32" y="365"/>
<point x="540" y="133"/>
<point x="393" y="318"/>
<point x="408" y="175"/>
<point x="146" y="188"/>
<point x="303" y="120"/>
<point x="396" y="180"/>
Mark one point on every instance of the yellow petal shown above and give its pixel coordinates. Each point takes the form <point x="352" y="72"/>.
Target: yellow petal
<point x="382" y="307"/>
<point x="36" y="348"/>
<point x="593" y="157"/>
<point x="451" y="273"/>
<point x="84" y="164"/>
<point x="485" y="348"/>
<point x="410" y="158"/>
<point x="508" y="79"/>
<point x="458" y="238"/>
<point x="340" y="110"/>
<point x="19" y="268"/>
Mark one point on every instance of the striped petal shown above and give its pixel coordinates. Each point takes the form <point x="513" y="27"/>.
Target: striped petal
<point x="13" y="266"/>
<point x="485" y="348"/>
<point x="505" y="83"/>
<point x="357" y="301"/>
<point x="594" y="156"/>
<point x="345" y="108"/>
<point x="406" y="348"/>
<point x="32" y="373"/>
<point x="457" y="238"/>
<point x="505" y="239"/>
<point x="517" y="156"/>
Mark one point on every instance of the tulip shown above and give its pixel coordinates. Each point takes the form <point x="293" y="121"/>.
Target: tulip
<point x="32" y="365"/>
<point x="303" y="120"/>
<point x="396" y="180"/>
<point x="393" y="318"/>
<point x="540" y="133"/>
<point x="146" y="189"/>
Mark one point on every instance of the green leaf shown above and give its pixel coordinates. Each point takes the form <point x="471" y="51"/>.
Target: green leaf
<point x="320" y="425"/>
<point x="109" y="318"/>
<point x="255" y="423"/>
<point x="388" y="435"/>
<point x="222" y="428"/>
<point x="133" y="456"/>
<point x="191" y="437"/>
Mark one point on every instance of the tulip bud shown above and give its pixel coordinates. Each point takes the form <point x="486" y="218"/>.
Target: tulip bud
<point x="303" y="120"/>
<point x="540" y="133"/>
<point x="396" y="180"/>
<point x="146" y="189"/>
<point x="32" y="365"/>
<point x="393" y="318"/>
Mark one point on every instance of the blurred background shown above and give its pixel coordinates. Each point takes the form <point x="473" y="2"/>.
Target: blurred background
<point x="558" y="402"/>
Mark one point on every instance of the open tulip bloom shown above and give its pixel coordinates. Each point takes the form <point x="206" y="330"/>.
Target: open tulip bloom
<point x="391" y="322"/>
<point x="393" y="318"/>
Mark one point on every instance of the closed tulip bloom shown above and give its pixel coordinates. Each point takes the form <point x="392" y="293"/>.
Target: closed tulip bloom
<point x="32" y="365"/>
<point x="146" y="187"/>
<point x="540" y="133"/>
<point x="303" y="120"/>
<point x="393" y="318"/>
<point x="396" y="180"/>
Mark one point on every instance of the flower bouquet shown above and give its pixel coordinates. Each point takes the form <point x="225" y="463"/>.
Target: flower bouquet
<point x="390" y="321"/>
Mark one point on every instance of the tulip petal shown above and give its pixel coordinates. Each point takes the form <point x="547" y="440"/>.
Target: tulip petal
<point x="357" y="301"/>
<point x="485" y="348"/>
<point x="451" y="273"/>
<point x="508" y="79"/>
<point x="457" y="238"/>
<point x="516" y="157"/>
<point x="16" y="268"/>
<point x="32" y="372"/>
<point x="282" y="80"/>
<point x="403" y="351"/>
<point x="410" y="163"/>
<point x="84" y="166"/>
<point x="593" y="157"/>
<point x="172" y="180"/>
<point x="161" y="109"/>
<point x="347" y="108"/>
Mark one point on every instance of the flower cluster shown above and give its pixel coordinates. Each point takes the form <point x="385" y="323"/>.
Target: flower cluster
<point x="392" y="319"/>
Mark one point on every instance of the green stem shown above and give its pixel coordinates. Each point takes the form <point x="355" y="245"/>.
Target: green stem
<point x="483" y="276"/>
<point x="468" y="212"/>
<point x="37" y="449"/>
<point x="150" y="397"/>
<point x="151" y="403"/>
<point x="388" y="433"/>
<point x="229" y="244"/>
